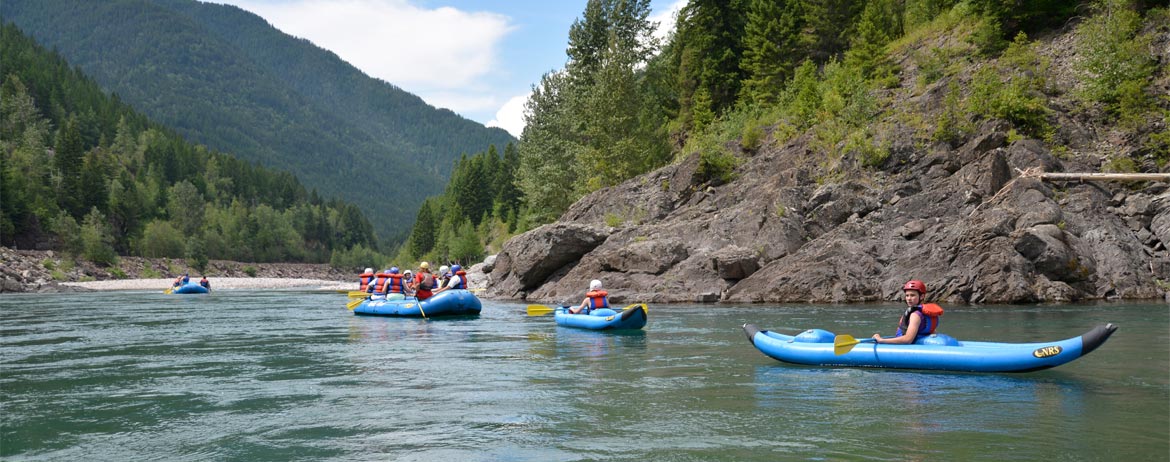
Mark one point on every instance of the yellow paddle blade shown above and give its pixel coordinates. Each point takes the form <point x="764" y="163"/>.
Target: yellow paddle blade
<point x="843" y="343"/>
<point x="643" y="305"/>
<point x="539" y="310"/>
<point x="358" y="294"/>
<point x="169" y="291"/>
<point x="354" y="303"/>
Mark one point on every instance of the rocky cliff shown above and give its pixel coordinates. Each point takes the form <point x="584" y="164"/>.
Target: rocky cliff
<point x="970" y="218"/>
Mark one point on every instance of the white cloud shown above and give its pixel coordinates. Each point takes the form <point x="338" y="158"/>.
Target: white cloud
<point x="433" y="53"/>
<point x="666" y="19"/>
<point x="510" y="117"/>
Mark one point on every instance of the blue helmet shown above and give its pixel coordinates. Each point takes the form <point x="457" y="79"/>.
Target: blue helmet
<point x="392" y="270"/>
<point x="455" y="268"/>
<point x="386" y="272"/>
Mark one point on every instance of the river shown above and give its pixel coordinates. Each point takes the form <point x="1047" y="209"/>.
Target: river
<point x="289" y="375"/>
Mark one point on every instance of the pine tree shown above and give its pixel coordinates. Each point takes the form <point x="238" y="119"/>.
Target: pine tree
<point x="771" y="48"/>
<point x="422" y="237"/>
<point x="68" y="157"/>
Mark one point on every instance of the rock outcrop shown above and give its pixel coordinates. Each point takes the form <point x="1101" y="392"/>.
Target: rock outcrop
<point x="970" y="218"/>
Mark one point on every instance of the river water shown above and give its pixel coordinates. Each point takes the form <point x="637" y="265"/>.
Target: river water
<point x="257" y="376"/>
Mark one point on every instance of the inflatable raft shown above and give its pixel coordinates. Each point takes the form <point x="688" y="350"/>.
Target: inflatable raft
<point x="933" y="352"/>
<point x="191" y="288"/>
<point x="633" y="317"/>
<point x="447" y="303"/>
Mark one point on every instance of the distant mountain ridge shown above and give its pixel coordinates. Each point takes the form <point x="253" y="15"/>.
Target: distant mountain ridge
<point x="224" y="77"/>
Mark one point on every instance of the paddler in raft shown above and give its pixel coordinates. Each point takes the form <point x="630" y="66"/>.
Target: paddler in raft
<point x="919" y="319"/>
<point x="457" y="280"/>
<point x="365" y="279"/>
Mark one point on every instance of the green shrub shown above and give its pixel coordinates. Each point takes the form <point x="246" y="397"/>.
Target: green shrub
<point x="1120" y="164"/>
<point x="160" y="239"/>
<point x="250" y="271"/>
<point x="1112" y="52"/>
<point x="753" y="135"/>
<point x="716" y="166"/>
<point x="48" y="264"/>
<point x="117" y="273"/>
<point x="988" y="37"/>
<point x="613" y="220"/>
<point x="356" y="258"/>
<point x="151" y="273"/>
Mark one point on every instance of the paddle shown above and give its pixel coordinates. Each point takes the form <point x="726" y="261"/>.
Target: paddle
<point x="169" y="290"/>
<point x="358" y="294"/>
<point x="539" y="310"/>
<point x="354" y="303"/>
<point x="844" y="342"/>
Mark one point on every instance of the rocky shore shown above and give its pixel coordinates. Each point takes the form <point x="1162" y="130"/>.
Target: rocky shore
<point x="47" y="271"/>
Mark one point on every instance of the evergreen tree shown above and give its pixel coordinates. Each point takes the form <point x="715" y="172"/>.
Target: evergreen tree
<point x="879" y="24"/>
<point x="68" y="157"/>
<point x="708" y="51"/>
<point x="422" y="237"/>
<point x="772" y="48"/>
<point x="828" y="26"/>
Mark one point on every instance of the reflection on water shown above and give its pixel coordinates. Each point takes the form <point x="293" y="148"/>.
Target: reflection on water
<point x="295" y="376"/>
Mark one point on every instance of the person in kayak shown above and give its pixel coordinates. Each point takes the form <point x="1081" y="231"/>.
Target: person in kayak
<point x="594" y="299"/>
<point x="918" y="319"/>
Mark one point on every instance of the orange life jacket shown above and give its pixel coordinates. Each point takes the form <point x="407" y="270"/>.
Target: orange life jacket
<point x="390" y="284"/>
<point x="365" y="279"/>
<point x="930" y="313"/>
<point x="598" y="299"/>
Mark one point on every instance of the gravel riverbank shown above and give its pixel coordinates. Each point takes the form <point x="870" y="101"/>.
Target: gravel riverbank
<point x="219" y="284"/>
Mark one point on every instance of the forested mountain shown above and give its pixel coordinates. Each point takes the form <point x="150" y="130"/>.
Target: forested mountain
<point x="83" y="172"/>
<point x="223" y="77"/>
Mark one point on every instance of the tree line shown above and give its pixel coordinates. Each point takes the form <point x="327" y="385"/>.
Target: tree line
<point x="83" y="172"/>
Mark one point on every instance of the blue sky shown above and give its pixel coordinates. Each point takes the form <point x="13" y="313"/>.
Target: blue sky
<point x="477" y="58"/>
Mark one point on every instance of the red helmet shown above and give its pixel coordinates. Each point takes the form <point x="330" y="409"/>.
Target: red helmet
<point x="915" y="285"/>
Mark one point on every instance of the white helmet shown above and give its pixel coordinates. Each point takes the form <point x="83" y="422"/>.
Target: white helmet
<point x="369" y="270"/>
<point x="443" y="269"/>
<point x="594" y="284"/>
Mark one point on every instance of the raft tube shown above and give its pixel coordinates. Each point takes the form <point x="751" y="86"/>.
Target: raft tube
<point x="814" y="347"/>
<point x="633" y="317"/>
<point x="454" y="302"/>
<point x="191" y="288"/>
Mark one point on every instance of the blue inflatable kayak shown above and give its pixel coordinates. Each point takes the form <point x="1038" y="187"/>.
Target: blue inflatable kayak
<point x="447" y="303"/>
<point x="933" y="352"/>
<point x="191" y="288"/>
<point x="633" y="317"/>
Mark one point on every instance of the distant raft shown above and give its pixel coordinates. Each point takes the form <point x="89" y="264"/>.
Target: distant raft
<point x="457" y="302"/>
<point x="930" y="352"/>
<point x="632" y="317"/>
<point x="191" y="288"/>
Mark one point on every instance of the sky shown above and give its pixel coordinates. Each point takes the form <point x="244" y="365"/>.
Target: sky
<point x="479" y="59"/>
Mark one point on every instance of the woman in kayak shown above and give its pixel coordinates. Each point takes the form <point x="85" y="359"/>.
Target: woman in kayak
<point x="918" y="319"/>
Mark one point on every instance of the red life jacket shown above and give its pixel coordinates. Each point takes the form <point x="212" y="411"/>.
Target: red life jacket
<point x="462" y="280"/>
<point x="930" y="313"/>
<point x="598" y="299"/>
<point x="364" y="281"/>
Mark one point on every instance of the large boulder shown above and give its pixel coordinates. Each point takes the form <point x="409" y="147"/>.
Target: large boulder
<point x="529" y="259"/>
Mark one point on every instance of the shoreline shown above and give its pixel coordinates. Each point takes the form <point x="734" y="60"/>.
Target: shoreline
<point x="225" y="283"/>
